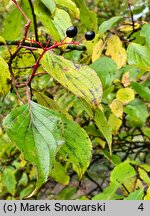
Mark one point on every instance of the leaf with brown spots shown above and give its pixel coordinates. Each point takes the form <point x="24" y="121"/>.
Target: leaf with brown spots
<point x="79" y="79"/>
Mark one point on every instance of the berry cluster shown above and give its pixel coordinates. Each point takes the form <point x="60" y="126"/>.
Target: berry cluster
<point x="72" y="31"/>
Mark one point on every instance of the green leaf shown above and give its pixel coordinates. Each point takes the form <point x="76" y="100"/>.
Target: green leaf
<point x="14" y="19"/>
<point x="144" y="176"/>
<point x="105" y="68"/>
<point x="122" y="173"/>
<point x="88" y="18"/>
<point x="67" y="193"/>
<point x="104" y="127"/>
<point x="133" y="111"/>
<point x="136" y="195"/>
<point x="107" y="25"/>
<point x="114" y="159"/>
<point x="146" y="131"/>
<point x="44" y="16"/>
<point x="4" y="77"/>
<point x="109" y="193"/>
<point x="51" y="5"/>
<point x="79" y="79"/>
<point x="23" y="180"/>
<point x="38" y="133"/>
<point x="9" y="180"/>
<point x="26" y="191"/>
<point x="61" y="24"/>
<point x="142" y="90"/>
<point x="59" y="174"/>
<point x="145" y="32"/>
<point x="139" y="56"/>
<point x="77" y="148"/>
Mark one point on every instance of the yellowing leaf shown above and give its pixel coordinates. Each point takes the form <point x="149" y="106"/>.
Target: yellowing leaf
<point x="2" y="40"/>
<point x="126" y="79"/>
<point x="97" y="51"/>
<point x="127" y="27"/>
<point x="117" y="108"/>
<point x="79" y="79"/>
<point x="116" y="51"/>
<point x="61" y="21"/>
<point x="71" y="6"/>
<point x="114" y="123"/>
<point x="139" y="56"/>
<point x="4" y="77"/>
<point x="91" y="44"/>
<point x="147" y="196"/>
<point x="125" y="95"/>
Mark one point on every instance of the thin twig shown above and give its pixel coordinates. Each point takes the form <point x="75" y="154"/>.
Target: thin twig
<point x="34" y="20"/>
<point x="131" y="13"/>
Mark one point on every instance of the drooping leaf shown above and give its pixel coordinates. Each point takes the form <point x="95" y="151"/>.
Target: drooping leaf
<point x="80" y="80"/>
<point x="105" y="68"/>
<point x="142" y="90"/>
<point x="125" y="95"/>
<point x="145" y="32"/>
<point x="38" y="133"/>
<point x="44" y="15"/>
<point x="139" y="56"/>
<point x="136" y="113"/>
<point x="116" y="51"/>
<point x="9" y="180"/>
<point x="107" y="25"/>
<point x="136" y="195"/>
<point x="4" y="77"/>
<point x="77" y="148"/>
<point x="88" y="18"/>
<point x="103" y="126"/>
<point x="51" y="5"/>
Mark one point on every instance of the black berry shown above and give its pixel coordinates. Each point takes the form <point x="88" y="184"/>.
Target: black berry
<point x="90" y="35"/>
<point x="71" y="31"/>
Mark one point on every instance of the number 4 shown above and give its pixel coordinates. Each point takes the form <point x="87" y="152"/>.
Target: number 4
<point x="141" y="207"/>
